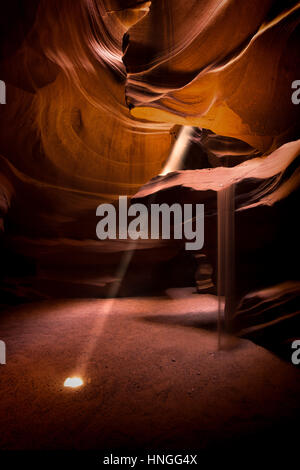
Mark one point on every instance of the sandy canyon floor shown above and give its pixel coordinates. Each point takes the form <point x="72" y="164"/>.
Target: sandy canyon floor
<point x="153" y="379"/>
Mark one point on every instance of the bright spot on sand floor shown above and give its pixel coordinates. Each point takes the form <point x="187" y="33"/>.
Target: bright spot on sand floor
<point x="73" y="382"/>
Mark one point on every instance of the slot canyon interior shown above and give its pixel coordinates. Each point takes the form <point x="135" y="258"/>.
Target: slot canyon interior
<point x="165" y="102"/>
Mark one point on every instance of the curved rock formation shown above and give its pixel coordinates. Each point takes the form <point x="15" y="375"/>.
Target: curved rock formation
<point x="68" y="141"/>
<point x="226" y="66"/>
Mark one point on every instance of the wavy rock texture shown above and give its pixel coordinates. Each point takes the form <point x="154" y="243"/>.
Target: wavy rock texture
<point x="268" y="314"/>
<point x="68" y="141"/>
<point x="206" y="149"/>
<point x="84" y="135"/>
<point x="226" y="66"/>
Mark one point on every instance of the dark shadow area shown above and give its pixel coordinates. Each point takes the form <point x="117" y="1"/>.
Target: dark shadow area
<point x="204" y="321"/>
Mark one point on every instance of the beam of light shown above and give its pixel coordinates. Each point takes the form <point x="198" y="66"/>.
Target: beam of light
<point x="73" y="382"/>
<point x="174" y="162"/>
<point x="106" y="310"/>
<point x="178" y="151"/>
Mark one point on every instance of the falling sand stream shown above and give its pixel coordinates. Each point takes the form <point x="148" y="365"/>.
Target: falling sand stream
<point x="226" y="235"/>
<point x="226" y="258"/>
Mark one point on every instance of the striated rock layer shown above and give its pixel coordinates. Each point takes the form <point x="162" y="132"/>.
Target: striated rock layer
<point x="68" y="142"/>
<point x="226" y="66"/>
